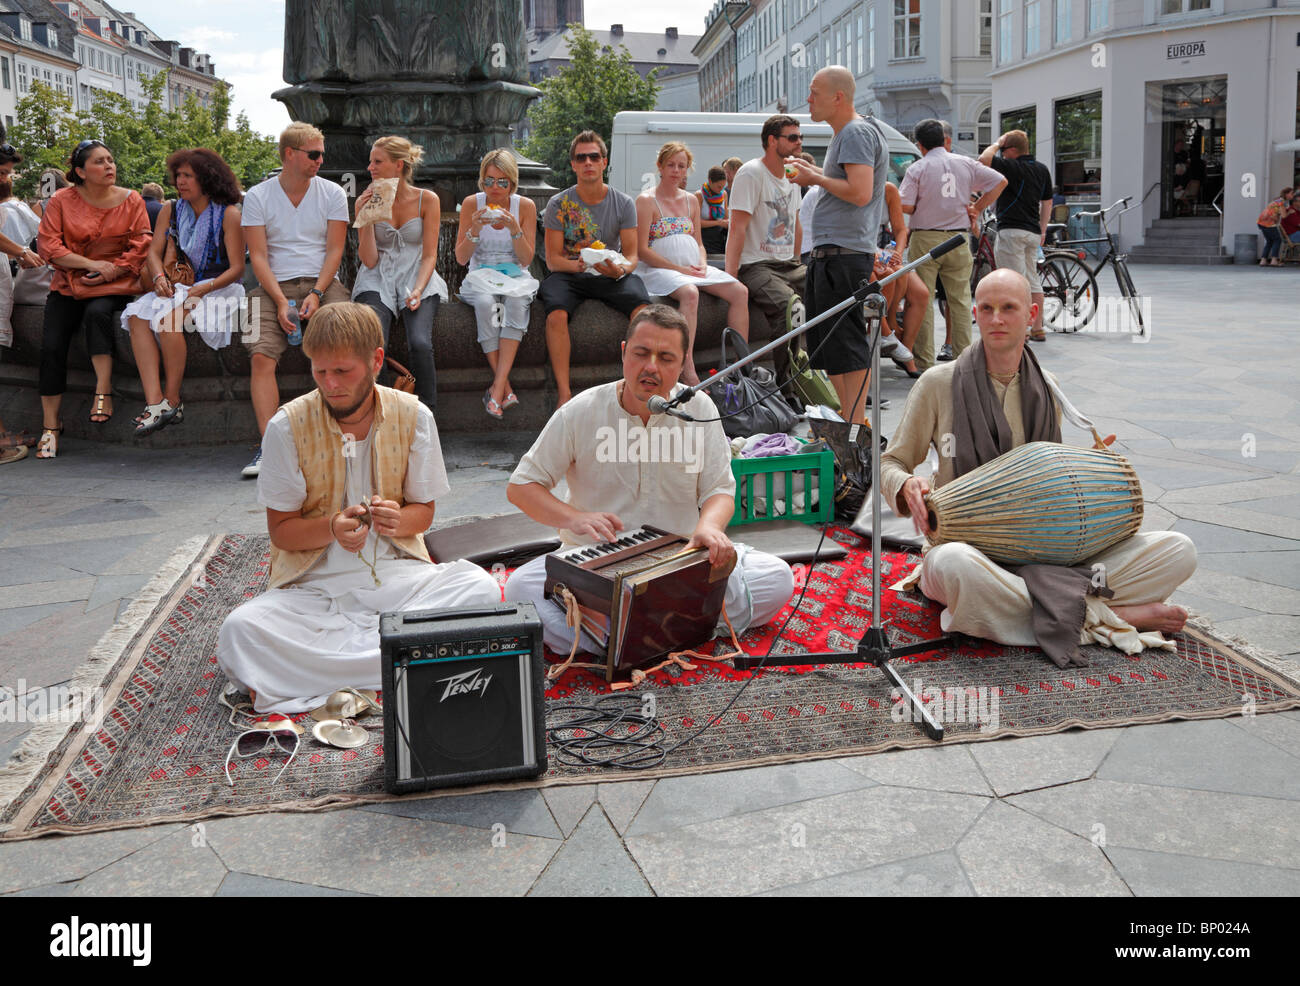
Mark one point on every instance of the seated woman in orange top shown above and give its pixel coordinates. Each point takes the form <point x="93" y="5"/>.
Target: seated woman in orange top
<point x="95" y="235"/>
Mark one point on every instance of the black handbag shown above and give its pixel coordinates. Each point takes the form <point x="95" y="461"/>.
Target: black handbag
<point x="748" y="400"/>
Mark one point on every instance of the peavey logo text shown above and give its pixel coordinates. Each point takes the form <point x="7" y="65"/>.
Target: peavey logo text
<point x="75" y="940"/>
<point x="464" y="684"/>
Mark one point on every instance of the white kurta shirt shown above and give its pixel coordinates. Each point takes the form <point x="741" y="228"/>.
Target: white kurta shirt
<point x="660" y="473"/>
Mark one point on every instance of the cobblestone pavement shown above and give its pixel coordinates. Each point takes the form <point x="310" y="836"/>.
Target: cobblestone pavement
<point x="1207" y="411"/>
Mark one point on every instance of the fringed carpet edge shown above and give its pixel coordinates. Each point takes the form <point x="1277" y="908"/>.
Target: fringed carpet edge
<point x="104" y="669"/>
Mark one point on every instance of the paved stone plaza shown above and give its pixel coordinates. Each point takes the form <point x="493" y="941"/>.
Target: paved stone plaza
<point x="1206" y="410"/>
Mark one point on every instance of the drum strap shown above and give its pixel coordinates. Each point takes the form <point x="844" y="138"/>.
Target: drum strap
<point x="1075" y="416"/>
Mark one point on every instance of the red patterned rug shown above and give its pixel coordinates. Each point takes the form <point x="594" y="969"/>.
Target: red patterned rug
<point x="157" y="751"/>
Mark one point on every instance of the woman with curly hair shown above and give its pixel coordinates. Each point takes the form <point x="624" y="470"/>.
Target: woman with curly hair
<point x="202" y="229"/>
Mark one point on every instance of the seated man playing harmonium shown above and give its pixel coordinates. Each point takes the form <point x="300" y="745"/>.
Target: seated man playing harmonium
<point x="604" y="443"/>
<point x="994" y="398"/>
<point x="349" y="476"/>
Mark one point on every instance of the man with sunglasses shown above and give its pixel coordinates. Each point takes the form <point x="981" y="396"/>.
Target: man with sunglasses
<point x="296" y="225"/>
<point x="764" y="240"/>
<point x="587" y="212"/>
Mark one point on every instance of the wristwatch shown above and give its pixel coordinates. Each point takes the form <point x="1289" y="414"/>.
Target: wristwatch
<point x="318" y="293"/>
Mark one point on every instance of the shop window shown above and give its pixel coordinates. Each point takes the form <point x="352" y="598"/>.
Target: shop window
<point x="1077" y="143"/>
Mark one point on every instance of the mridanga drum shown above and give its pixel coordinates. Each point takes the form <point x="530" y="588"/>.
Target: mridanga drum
<point x="1041" y="503"/>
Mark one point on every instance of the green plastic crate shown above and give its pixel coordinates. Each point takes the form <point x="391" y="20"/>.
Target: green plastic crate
<point x="770" y="476"/>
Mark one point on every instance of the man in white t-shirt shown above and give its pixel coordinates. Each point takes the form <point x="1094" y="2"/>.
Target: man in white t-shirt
<point x="296" y="225"/>
<point x="765" y="237"/>
<point x="626" y="467"/>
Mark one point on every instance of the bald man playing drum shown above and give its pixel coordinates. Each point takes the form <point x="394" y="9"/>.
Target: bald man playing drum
<point x="987" y="402"/>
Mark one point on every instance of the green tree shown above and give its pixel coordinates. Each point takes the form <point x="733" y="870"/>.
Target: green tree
<point x="584" y="95"/>
<point x="47" y="128"/>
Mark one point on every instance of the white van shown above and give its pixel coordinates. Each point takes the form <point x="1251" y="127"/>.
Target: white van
<point x="714" y="137"/>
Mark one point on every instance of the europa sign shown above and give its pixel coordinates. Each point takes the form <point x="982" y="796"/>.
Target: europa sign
<point x="1188" y="49"/>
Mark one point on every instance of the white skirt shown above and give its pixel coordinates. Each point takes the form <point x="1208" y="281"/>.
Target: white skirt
<point x="214" y="318"/>
<point x="487" y="282"/>
<point x="678" y="248"/>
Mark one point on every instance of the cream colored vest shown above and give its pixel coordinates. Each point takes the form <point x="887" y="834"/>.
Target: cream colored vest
<point x="320" y="444"/>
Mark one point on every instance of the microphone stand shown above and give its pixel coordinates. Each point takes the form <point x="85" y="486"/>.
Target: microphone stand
<point x="874" y="647"/>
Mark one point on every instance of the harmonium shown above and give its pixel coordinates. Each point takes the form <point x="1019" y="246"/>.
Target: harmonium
<point x="641" y="596"/>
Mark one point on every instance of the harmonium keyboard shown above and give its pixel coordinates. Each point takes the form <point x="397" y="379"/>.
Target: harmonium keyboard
<point x="642" y="595"/>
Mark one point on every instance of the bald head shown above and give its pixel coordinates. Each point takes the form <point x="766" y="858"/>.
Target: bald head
<point x="836" y="78"/>
<point x="1003" y="281"/>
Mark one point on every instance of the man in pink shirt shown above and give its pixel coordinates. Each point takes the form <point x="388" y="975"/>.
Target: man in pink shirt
<point x="935" y="192"/>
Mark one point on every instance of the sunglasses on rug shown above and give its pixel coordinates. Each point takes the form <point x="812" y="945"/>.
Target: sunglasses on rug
<point x="253" y="742"/>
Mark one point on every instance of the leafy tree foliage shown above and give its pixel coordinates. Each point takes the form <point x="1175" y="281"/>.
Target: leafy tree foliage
<point x="584" y="95"/>
<point x="47" y="129"/>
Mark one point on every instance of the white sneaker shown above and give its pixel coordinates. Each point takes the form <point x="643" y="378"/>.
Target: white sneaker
<point x="253" y="468"/>
<point x="901" y="354"/>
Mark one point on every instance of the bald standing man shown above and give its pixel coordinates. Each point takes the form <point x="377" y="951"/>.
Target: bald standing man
<point x="982" y="598"/>
<point x="846" y="222"/>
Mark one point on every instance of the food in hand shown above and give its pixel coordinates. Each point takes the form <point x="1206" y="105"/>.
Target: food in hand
<point x="597" y="245"/>
<point x="790" y="170"/>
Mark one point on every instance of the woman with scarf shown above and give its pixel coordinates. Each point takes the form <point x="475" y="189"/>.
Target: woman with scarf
<point x="201" y="229"/>
<point x="713" y="211"/>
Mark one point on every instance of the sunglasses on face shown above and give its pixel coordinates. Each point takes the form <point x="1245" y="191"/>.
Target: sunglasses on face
<point x="793" y="138"/>
<point x="592" y="156"/>
<point x="314" y="155"/>
<point x="496" y="182"/>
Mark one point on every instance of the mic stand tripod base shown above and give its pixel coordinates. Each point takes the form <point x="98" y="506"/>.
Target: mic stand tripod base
<point x="873" y="648"/>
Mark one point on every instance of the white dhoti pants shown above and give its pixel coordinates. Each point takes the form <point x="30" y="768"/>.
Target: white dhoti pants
<point x="757" y="588"/>
<point x="982" y="599"/>
<point x="295" y="646"/>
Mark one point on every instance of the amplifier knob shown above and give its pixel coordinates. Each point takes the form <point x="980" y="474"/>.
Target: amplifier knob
<point x="442" y="651"/>
<point x="417" y="654"/>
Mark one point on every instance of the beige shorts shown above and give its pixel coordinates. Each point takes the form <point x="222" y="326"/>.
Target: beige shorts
<point x="1017" y="249"/>
<point x="268" y="338"/>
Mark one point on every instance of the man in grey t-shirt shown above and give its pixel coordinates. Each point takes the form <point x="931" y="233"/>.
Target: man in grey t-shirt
<point x="589" y="212"/>
<point x="846" y="223"/>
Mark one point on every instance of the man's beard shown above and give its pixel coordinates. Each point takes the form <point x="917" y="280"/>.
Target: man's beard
<point x="348" y="412"/>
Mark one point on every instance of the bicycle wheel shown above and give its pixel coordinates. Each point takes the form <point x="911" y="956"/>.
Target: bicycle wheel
<point x="1128" y="291"/>
<point x="1069" y="292"/>
<point x="978" y="269"/>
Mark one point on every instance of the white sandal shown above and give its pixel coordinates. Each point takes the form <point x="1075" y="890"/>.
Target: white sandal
<point x="48" y="448"/>
<point x="155" y="417"/>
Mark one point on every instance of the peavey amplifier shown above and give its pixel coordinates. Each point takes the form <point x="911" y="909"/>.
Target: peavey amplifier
<point x="462" y="696"/>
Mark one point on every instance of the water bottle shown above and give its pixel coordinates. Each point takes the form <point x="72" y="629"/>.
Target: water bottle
<point x="294" y="337"/>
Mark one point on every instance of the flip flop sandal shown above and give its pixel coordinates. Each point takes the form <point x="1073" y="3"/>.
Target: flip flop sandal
<point x="13" y="440"/>
<point x="510" y="401"/>
<point x="492" y="407"/>
<point x="99" y="416"/>
<point x="12" y="454"/>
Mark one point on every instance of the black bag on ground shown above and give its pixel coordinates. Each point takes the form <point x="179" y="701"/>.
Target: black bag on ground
<point x="749" y="401"/>
<point x="852" y="464"/>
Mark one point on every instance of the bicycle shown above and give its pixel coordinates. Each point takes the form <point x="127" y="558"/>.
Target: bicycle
<point x="1112" y="256"/>
<point x="1069" y="290"/>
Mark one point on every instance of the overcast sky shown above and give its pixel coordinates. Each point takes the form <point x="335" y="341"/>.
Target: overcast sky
<point x="246" y="39"/>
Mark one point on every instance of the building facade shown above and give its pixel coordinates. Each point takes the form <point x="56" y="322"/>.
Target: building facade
<point x="716" y="51"/>
<point x="1179" y="104"/>
<point x="43" y="50"/>
<point x="911" y="59"/>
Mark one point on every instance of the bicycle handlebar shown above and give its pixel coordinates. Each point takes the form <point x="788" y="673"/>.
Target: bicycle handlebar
<point x="1101" y="212"/>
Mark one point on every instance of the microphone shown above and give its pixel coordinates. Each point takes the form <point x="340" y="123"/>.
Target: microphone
<point x="949" y="244"/>
<point x="659" y="405"/>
